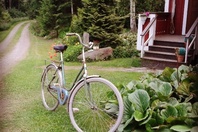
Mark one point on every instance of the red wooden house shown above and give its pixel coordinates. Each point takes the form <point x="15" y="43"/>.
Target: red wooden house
<point x="160" y="34"/>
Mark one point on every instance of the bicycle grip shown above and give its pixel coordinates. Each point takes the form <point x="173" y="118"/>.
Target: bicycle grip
<point x="70" y="34"/>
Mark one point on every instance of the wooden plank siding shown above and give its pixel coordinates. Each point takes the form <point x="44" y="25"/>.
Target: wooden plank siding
<point x="192" y="13"/>
<point x="163" y="23"/>
<point x="144" y="26"/>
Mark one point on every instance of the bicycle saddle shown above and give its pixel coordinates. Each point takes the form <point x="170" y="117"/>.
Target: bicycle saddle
<point x="60" y="48"/>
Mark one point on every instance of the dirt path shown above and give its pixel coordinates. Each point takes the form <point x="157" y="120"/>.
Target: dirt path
<point x="8" y="61"/>
<point x="4" y="44"/>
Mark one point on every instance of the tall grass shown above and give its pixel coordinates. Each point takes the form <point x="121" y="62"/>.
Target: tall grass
<point x="6" y="27"/>
<point x="21" y="92"/>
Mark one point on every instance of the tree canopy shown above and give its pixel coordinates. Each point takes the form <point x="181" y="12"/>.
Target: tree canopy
<point x="103" y="19"/>
<point x="102" y="22"/>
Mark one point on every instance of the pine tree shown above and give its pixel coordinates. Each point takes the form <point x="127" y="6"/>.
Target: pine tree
<point x="99" y="19"/>
<point x="54" y="15"/>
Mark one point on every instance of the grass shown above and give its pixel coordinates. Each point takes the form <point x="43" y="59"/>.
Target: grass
<point x="126" y="62"/>
<point x="11" y="24"/>
<point x="5" y="33"/>
<point x="21" y="91"/>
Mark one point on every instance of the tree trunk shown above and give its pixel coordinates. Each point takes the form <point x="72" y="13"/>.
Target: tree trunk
<point x="132" y="16"/>
<point x="10" y="4"/>
<point x="72" y="8"/>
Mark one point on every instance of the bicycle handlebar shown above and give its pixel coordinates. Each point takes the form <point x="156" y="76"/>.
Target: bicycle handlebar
<point x="80" y="39"/>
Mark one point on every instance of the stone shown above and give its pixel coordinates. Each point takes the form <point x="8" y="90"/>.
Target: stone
<point x="98" y="54"/>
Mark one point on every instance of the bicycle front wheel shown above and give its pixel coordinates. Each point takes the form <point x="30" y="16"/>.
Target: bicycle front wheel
<point x="96" y="106"/>
<point x="51" y="77"/>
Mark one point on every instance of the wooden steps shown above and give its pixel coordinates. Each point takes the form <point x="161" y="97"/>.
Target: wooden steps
<point x="162" y="54"/>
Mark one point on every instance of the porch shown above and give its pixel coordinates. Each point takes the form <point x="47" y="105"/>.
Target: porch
<point x="158" y="44"/>
<point x="162" y="53"/>
<point x="171" y="38"/>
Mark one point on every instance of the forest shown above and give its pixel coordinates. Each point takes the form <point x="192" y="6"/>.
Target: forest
<point x="105" y="20"/>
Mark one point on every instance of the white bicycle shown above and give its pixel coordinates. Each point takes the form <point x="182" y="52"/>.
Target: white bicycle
<point x="94" y="103"/>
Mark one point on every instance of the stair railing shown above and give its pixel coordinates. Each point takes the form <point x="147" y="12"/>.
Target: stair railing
<point x="151" y="35"/>
<point x="191" y="38"/>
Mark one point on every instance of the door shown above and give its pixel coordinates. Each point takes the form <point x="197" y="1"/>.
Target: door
<point x="178" y="19"/>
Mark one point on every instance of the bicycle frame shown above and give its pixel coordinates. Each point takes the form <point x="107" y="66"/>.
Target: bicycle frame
<point x="82" y="73"/>
<point x="81" y="76"/>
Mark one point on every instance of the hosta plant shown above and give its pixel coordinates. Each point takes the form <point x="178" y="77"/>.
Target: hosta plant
<point x="164" y="102"/>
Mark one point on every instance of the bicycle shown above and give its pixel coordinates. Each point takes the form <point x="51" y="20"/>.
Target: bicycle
<point x="93" y="103"/>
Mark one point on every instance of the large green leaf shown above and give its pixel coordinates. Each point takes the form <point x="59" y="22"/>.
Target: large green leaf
<point x="184" y="88"/>
<point x="173" y="101"/>
<point x="170" y="111"/>
<point x="175" y="77"/>
<point x="128" y="114"/>
<point x="131" y="84"/>
<point x="181" y="128"/>
<point x="182" y="109"/>
<point x="128" y="109"/>
<point x="166" y="74"/>
<point x="184" y="69"/>
<point x="148" y="117"/>
<point x="155" y="84"/>
<point x="140" y="100"/>
<point x="111" y="108"/>
<point x="163" y="89"/>
<point x="195" y="110"/>
<point x="139" y="116"/>
<point x="179" y="75"/>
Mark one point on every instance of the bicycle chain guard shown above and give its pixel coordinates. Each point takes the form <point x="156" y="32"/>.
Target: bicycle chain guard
<point x="62" y="96"/>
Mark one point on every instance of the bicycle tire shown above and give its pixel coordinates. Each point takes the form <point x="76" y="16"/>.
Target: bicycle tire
<point x="97" y="119"/>
<point x="50" y="96"/>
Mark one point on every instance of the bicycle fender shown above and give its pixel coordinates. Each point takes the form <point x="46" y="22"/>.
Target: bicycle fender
<point x="80" y="81"/>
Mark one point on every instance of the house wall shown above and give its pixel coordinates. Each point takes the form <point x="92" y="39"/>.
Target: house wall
<point x="192" y="13"/>
<point x="180" y="15"/>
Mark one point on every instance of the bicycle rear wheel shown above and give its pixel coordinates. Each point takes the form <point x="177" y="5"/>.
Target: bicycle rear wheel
<point x="96" y="106"/>
<point x="51" y="77"/>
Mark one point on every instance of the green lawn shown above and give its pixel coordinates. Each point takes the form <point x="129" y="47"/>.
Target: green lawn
<point x="21" y="91"/>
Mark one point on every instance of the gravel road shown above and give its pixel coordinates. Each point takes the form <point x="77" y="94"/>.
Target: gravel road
<point x="9" y="60"/>
<point x="19" y="51"/>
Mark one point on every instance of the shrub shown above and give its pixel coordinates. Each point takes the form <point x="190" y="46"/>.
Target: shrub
<point x="128" y="48"/>
<point x="4" y="26"/>
<point x="37" y="30"/>
<point x="14" y="13"/>
<point x="72" y="52"/>
<point x="6" y="16"/>
<point x="7" y="24"/>
<point x="125" y="51"/>
<point x="75" y="25"/>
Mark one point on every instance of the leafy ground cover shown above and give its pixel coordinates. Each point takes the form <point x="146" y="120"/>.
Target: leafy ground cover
<point x="162" y="102"/>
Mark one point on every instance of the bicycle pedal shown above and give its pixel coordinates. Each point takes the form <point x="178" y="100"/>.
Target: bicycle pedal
<point x="75" y="110"/>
